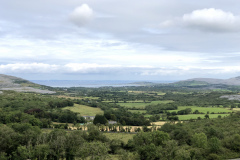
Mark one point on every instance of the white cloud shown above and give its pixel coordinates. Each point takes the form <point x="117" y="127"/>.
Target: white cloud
<point x="168" y="23"/>
<point x="81" y="15"/>
<point x="212" y="20"/>
<point x="28" y="68"/>
<point x="87" y="67"/>
<point x="116" y="70"/>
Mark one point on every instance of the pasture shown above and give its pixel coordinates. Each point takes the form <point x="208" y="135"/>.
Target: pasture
<point x="138" y="111"/>
<point x="69" y="97"/>
<point x="121" y="136"/>
<point x="142" y="105"/>
<point x="84" y="110"/>
<point x="203" y="109"/>
<point x="195" y="116"/>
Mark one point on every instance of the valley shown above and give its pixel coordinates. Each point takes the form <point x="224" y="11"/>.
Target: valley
<point x="179" y="117"/>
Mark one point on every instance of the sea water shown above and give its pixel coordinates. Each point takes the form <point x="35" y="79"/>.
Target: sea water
<point x="93" y="83"/>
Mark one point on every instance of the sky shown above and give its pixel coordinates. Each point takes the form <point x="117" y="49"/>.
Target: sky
<point x="120" y="39"/>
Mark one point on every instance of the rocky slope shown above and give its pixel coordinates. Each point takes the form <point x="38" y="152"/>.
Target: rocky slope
<point x="20" y="85"/>
<point x="231" y="81"/>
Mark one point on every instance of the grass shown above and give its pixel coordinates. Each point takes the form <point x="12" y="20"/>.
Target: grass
<point x="137" y="111"/>
<point x="159" y="123"/>
<point x="142" y="105"/>
<point x="203" y="109"/>
<point x="85" y="110"/>
<point x="136" y="105"/>
<point x="70" y="97"/>
<point x="164" y="101"/>
<point x="121" y="136"/>
<point x="136" y="92"/>
<point x="236" y="109"/>
<point x="195" y="116"/>
<point x="46" y="130"/>
<point x="160" y="93"/>
<point x="148" y="115"/>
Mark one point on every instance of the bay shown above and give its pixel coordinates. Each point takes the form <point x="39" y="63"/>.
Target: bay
<point x="93" y="83"/>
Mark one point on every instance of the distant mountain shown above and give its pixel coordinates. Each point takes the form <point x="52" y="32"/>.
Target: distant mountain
<point x="232" y="81"/>
<point x="21" y="85"/>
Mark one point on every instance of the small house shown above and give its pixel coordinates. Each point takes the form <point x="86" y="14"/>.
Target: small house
<point x="112" y="122"/>
<point x="89" y="118"/>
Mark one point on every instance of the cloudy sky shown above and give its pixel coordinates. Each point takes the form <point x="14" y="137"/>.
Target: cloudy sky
<point x="119" y="39"/>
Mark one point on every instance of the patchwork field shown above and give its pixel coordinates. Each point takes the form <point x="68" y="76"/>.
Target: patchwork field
<point x="85" y="110"/>
<point x="195" y="116"/>
<point x="147" y="92"/>
<point x="138" y="111"/>
<point x="69" y="97"/>
<point x="142" y="105"/>
<point x="203" y="109"/>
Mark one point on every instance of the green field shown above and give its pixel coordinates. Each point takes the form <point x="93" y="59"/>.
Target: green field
<point x="164" y="101"/>
<point x="148" y="115"/>
<point x="142" y="105"/>
<point x="195" y="116"/>
<point x="160" y="93"/>
<point x="121" y="136"/>
<point x="137" y="101"/>
<point x="85" y="110"/>
<point x="137" y="111"/>
<point x="203" y="109"/>
<point x="91" y="98"/>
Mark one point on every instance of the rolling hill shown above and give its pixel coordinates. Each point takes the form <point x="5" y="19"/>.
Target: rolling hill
<point x="21" y="85"/>
<point x="231" y="81"/>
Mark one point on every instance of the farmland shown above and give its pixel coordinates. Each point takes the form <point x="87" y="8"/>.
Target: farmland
<point x="129" y="125"/>
<point x="202" y="116"/>
<point x="204" y="109"/>
<point x="139" y="105"/>
<point x="84" y="110"/>
<point x="119" y="136"/>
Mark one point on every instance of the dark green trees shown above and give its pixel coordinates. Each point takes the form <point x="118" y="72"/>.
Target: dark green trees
<point x="100" y="119"/>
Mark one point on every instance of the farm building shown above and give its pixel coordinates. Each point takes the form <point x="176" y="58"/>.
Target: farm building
<point x="112" y="122"/>
<point x="89" y="118"/>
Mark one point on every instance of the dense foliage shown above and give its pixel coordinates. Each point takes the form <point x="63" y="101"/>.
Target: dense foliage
<point x="17" y="107"/>
<point x="24" y="118"/>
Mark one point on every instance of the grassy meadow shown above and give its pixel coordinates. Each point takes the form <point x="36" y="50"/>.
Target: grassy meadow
<point x="121" y="136"/>
<point x="137" y="111"/>
<point x="142" y="105"/>
<point x="195" y="116"/>
<point x="203" y="109"/>
<point x="85" y="110"/>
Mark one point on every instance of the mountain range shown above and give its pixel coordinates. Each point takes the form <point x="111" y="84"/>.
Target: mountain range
<point x="21" y="85"/>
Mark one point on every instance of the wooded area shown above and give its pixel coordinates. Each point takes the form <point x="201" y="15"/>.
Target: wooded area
<point x="37" y="126"/>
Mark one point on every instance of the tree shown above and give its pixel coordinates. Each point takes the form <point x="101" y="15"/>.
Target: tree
<point x="214" y="145"/>
<point x="3" y="156"/>
<point x="41" y="151"/>
<point x="95" y="135"/>
<point x="199" y="140"/>
<point x="206" y="116"/>
<point x="149" y="152"/>
<point x="73" y="143"/>
<point x="233" y="142"/>
<point x="93" y="150"/>
<point x="57" y="143"/>
<point x="115" y="145"/>
<point x="22" y="153"/>
<point x="9" y="140"/>
<point x="99" y="119"/>
<point x="158" y="138"/>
